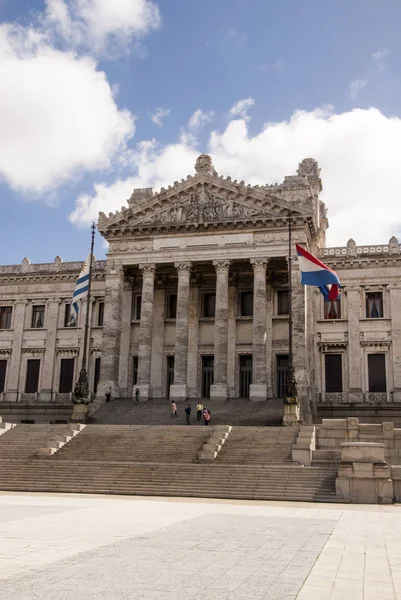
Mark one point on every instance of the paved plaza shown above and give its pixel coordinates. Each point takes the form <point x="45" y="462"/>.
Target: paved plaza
<point x="70" y="547"/>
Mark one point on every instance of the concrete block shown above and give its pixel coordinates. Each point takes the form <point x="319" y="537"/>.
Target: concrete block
<point x="343" y="488"/>
<point x="301" y="456"/>
<point x="388" y="430"/>
<point x="397" y="433"/>
<point x="334" y="423"/>
<point x="385" y="491"/>
<point x="361" y="470"/>
<point x="362" y="452"/>
<point x="353" y="423"/>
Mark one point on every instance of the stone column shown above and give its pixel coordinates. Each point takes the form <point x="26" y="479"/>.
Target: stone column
<point x="124" y="365"/>
<point x="258" y="391"/>
<point x="145" y="331"/>
<point x="179" y="390"/>
<point x="300" y="349"/>
<point x="50" y="354"/>
<point x="354" y="344"/>
<point x="219" y="389"/>
<point x="18" y="320"/>
<point x="269" y="343"/>
<point x="110" y="358"/>
<point x="395" y="307"/>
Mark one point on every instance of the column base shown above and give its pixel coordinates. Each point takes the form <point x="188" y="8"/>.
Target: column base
<point x="355" y="396"/>
<point x="397" y="395"/>
<point x="79" y="413"/>
<point x="178" y="391"/>
<point x="258" y="392"/>
<point x="291" y="416"/>
<point x="145" y="392"/>
<point x="219" y="391"/>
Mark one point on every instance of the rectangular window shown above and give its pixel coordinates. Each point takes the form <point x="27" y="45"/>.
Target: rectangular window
<point x="134" y="370"/>
<point x="96" y="376"/>
<point x="100" y="314"/>
<point x="67" y="317"/>
<point x="333" y="372"/>
<point x="282" y="302"/>
<point x="5" y="317"/>
<point x="32" y="375"/>
<point x="3" y="369"/>
<point x="171" y="306"/>
<point x="66" y="375"/>
<point x="38" y="317"/>
<point x="136" y="307"/>
<point x="246" y="304"/>
<point x="332" y="309"/>
<point x="374" y="305"/>
<point x="209" y="305"/>
<point x="377" y="372"/>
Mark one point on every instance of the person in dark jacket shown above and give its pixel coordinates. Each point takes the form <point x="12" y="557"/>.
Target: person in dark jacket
<point x="188" y="414"/>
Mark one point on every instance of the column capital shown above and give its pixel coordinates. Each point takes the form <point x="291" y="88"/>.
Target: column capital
<point x="259" y="263"/>
<point x="352" y="288"/>
<point x="20" y="301"/>
<point x="222" y="265"/>
<point x="183" y="267"/>
<point x="393" y="287"/>
<point x="147" y="268"/>
<point x="53" y="301"/>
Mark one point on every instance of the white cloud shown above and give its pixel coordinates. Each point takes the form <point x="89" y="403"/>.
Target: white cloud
<point x="359" y="153"/>
<point x="379" y="55"/>
<point x="240" y="108"/>
<point x="58" y="116"/>
<point x="159" y="115"/>
<point x="104" y="26"/>
<point x="200" y="118"/>
<point x="356" y="85"/>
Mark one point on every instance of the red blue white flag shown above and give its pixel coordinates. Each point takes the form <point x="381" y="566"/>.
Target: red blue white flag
<point x="316" y="273"/>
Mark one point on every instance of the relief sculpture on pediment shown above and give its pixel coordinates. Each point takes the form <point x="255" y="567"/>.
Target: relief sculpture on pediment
<point x="202" y="207"/>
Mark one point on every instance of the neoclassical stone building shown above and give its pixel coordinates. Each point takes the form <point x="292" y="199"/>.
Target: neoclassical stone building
<point x="192" y="302"/>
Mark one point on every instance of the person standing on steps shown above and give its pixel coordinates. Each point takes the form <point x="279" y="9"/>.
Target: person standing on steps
<point x="188" y="414"/>
<point x="199" y="410"/>
<point x="206" y="416"/>
<point x="137" y="395"/>
<point x="174" y="410"/>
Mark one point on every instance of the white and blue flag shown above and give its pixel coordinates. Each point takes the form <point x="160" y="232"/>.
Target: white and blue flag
<point x="80" y="291"/>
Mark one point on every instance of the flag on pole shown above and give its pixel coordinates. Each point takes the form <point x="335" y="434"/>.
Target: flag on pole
<point x="316" y="273"/>
<point x="80" y="291"/>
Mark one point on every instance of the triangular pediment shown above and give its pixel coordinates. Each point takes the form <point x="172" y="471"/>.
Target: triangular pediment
<point x="207" y="199"/>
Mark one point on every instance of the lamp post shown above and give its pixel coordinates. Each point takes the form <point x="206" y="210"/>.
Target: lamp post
<point x="81" y="390"/>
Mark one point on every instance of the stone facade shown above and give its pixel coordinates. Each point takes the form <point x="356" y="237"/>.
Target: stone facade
<point x="191" y="302"/>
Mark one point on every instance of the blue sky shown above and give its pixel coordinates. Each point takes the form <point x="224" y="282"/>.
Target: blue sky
<point x="79" y="88"/>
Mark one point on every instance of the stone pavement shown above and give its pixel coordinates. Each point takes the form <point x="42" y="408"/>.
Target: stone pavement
<point x="73" y="547"/>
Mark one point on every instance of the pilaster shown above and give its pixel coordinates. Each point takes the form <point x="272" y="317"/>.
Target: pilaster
<point x="156" y="371"/>
<point x="125" y="342"/>
<point x="258" y="388"/>
<point x="179" y="390"/>
<point x="48" y="384"/>
<point x="299" y="342"/>
<point x="18" y="320"/>
<point x="354" y="345"/>
<point x="111" y="334"/>
<point x="219" y="389"/>
<point x="145" y="330"/>
<point x="395" y="307"/>
<point x="269" y="342"/>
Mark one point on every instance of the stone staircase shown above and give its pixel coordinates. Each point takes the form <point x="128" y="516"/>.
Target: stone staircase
<point x="253" y="464"/>
<point x="26" y="441"/>
<point x="136" y="443"/>
<point x="259" y="445"/>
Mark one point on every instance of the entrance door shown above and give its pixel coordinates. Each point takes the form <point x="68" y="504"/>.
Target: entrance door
<point x="207" y="375"/>
<point x="282" y="370"/>
<point x="170" y="374"/>
<point x="245" y="375"/>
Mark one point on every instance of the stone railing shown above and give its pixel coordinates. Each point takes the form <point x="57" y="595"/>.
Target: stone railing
<point x="305" y="445"/>
<point x="24" y="397"/>
<point x="54" y="267"/>
<point x="215" y="442"/>
<point x="366" y="397"/>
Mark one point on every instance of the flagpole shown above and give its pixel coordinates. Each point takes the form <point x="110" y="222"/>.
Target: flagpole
<point x="291" y="384"/>
<point x="81" y="391"/>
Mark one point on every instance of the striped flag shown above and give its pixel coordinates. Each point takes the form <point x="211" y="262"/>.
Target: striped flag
<point x="316" y="273"/>
<point x="80" y="291"/>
